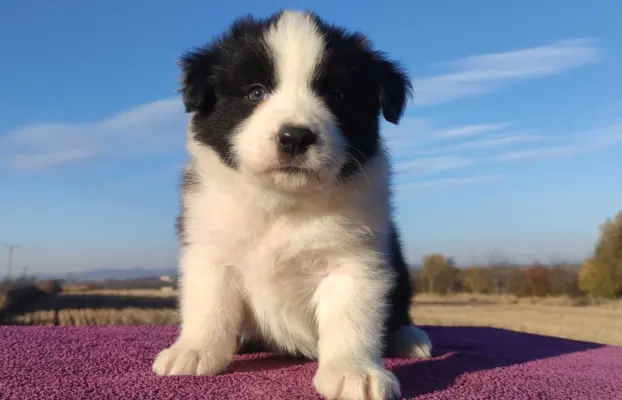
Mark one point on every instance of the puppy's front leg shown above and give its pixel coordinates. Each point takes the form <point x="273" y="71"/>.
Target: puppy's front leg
<point x="351" y="311"/>
<point x="211" y="311"/>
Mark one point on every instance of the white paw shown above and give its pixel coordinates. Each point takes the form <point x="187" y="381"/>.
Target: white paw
<point x="365" y="382"/>
<point x="180" y="359"/>
<point x="410" y="341"/>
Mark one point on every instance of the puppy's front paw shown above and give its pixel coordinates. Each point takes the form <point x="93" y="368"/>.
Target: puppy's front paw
<point x="349" y="382"/>
<point x="184" y="359"/>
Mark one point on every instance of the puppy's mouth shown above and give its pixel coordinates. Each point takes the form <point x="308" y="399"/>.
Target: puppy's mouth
<point x="291" y="169"/>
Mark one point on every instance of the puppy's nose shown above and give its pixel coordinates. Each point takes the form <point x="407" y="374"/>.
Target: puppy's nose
<point x="295" y="140"/>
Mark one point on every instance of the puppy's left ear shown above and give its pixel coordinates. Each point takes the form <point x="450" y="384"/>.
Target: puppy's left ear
<point x="196" y="86"/>
<point x="395" y="89"/>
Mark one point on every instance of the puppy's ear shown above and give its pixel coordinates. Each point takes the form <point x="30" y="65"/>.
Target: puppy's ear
<point x="196" y="80"/>
<point x="395" y="89"/>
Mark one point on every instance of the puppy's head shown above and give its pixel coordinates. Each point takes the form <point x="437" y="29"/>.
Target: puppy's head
<point x="291" y="102"/>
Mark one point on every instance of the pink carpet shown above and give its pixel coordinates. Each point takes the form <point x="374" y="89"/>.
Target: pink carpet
<point x="112" y="363"/>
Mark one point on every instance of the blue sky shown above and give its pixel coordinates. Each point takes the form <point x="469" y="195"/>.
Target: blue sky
<point x="512" y="147"/>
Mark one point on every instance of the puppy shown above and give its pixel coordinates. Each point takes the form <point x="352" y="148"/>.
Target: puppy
<point x="286" y="231"/>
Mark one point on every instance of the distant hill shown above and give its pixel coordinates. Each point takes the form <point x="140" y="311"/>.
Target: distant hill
<point x="111" y="273"/>
<point x="119" y="274"/>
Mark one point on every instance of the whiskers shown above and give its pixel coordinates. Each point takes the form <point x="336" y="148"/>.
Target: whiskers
<point x="361" y="168"/>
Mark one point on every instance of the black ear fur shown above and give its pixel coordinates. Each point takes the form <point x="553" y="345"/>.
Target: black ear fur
<point x="198" y="91"/>
<point x="395" y="89"/>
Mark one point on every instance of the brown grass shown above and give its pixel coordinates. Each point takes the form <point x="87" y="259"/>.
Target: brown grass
<point x="101" y="307"/>
<point x="129" y="292"/>
<point x="581" y="319"/>
<point x="100" y="316"/>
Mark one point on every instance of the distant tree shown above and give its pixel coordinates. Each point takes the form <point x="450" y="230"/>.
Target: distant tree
<point x="601" y="275"/>
<point x="503" y="277"/>
<point x="564" y="280"/>
<point x="440" y="273"/>
<point x="417" y="281"/>
<point x="514" y="278"/>
<point x="536" y="281"/>
<point x="595" y="279"/>
<point x="460" y="281"/>
<point x="498" y="272"/>
<point x="433" y="266"/>
<point x="477" y="280"/>
<point x="449" y="281"/>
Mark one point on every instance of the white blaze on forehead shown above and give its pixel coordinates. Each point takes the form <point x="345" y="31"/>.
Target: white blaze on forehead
<point x="297" y="46"/>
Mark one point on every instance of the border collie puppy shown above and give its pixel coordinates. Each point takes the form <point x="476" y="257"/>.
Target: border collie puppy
<point x="286" y="230"/>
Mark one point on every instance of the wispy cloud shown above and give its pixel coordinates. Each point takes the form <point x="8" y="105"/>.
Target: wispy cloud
<point x="579" y="144"/>
<point x="152" y="127"/>
<point x="492" y="152"/>
<point x="419" y="137"/>
<point x="432" y="164"/>
<point x="495" y="142"/>
<point x="468" y="131"/>
<point x="459" y="181"/>
<point x="411" y="130"/>
<point x="37" y="161"/>
<point x="543" y="153"/>
<point x="485" y="73"/>
<point x="414" y="134"/>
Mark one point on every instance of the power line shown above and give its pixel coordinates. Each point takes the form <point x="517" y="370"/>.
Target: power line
<point x="11" y="248"/>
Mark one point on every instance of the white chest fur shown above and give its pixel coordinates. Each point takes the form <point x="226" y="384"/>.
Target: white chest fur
<point x="280" y="249"/>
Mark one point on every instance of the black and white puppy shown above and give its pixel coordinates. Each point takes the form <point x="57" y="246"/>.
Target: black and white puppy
<point x="286" y="229"/>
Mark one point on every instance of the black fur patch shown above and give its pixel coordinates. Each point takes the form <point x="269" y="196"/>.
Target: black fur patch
<point x="189" y="180"/>
<point x="402" y="293"/>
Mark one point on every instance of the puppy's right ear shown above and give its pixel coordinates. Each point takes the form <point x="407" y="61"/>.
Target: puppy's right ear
<point x="395" y="89"/>
<point x="196" y="80"/>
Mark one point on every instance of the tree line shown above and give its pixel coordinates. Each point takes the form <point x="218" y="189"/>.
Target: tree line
<point x="600" y="275"/>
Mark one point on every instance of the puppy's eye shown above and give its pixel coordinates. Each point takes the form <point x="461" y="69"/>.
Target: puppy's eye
<point x="334" y="97"/>
<point x="256" y="93"/>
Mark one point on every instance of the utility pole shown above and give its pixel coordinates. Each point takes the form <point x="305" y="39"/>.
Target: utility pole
<point x="11" y="248"/>
<point x="25" y="271"/>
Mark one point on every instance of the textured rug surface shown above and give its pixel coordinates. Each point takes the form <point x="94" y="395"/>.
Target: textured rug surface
<point x="469" y="363"/>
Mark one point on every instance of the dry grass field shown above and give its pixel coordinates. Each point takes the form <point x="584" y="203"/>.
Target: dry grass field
<point x="581" y="319"/>
<point x="100" y="307"/>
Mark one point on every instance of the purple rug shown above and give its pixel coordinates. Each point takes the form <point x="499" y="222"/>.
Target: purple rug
<point x="68" y="363"/>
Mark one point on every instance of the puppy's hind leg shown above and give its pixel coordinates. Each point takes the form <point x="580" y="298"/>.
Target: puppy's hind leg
<point x="409" y="341"/>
